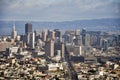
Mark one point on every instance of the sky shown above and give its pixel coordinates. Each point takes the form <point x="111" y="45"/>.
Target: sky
<point x="58" y="10"/>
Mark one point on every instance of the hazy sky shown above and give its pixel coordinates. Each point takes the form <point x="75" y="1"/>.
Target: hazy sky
<point x="58" y="10"/>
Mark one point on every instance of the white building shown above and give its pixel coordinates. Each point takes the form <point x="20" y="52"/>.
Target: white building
<point x="14" y="32"/>
<point x="32" y="40"/>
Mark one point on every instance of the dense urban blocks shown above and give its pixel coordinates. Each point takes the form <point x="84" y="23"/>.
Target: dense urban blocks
<point x="52" y="55"/>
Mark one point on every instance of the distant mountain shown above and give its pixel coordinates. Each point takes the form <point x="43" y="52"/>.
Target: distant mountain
<point x="90" y="25"/>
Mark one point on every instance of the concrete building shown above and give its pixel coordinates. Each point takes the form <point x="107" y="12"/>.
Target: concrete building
<point x="44" y="35"/>
<point x="51" y="35"/>
<point x="37" y="34"/>
<point x="28" y="28"/>
<point x="60" y="46"/>
<point x="49" y="48"/>
<point x="77" y="32"/>
<point x="78" y="40"/>
<point x="87" y="40"/>
<point x="58" y="35"/>
<point x="14" y="32"/>
<point x="105" y="45"/>
<point x="32" y="40"/>
<point x="83" y="36"/>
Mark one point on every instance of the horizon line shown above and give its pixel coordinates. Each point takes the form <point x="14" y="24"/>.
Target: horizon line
<point x="54" y="21"/>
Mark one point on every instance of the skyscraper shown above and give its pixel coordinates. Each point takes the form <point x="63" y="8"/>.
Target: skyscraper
<point x="60" y="46"/>
<point x="44" y="35"/>
<point x="78" y="40"/>
<point x="14" y="32"/>
<point x="87" y="40"/>
<point x="28" y="28"/>
<point x="83" y="36"/>
<point x="49" y="48"/>
<point x="37" y="34"/>
<point x="51" y="35"/>
<point x="58" y="35"/>
<point x="105" y="45"/>
<point x="32" y="40"/>
<point x="77" y="32"/>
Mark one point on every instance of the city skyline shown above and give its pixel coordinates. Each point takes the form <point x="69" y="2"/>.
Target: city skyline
<point x="60" y="10"/>
<point x="59" y="40"/>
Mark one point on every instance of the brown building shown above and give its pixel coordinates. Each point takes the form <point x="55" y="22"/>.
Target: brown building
<point x="49" y="48"/>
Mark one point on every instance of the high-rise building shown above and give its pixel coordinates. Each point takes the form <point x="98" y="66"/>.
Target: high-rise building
<point x="87" y="40"/>
<point x="51" y="35"/>
<point x="83" y="36"/>
<point x="60" y="46"/>
<point x="77" y="32"/>
<point x="105" y="45"/>
<point x="49" y="48"/>
<point x="93" y="40"/>
<point x="14" y="32"/>
<point x="32" y="40"/>
<point x="58" y="35"/>
<point x="37" y="34"/>
<point x="44" y="35"/>
<point x="78" y="40"/>
<point x="28" y="28"/>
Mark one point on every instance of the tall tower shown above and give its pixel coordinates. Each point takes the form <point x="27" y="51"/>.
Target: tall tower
<point x="105" y="45"/>
<point x="61" y="47"/>
<point x="58" y="35"/>
<point x="28" y="31"/>
<point x="77" y="32"/>
<point x="49" y="48"/>
<point x="28" y="28"/>
<point x="37" y="34"/>
<point x="83" y="36"/>
<point x="44" y="35"/>
<point x="32" y="40"/>
<point x="87" y="40"/>
<point x="14" y="32"/>
<point x="51" y="35"/>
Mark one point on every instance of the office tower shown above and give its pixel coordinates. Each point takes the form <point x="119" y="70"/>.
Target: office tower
<point x="51" y="35"/>
<point x="68" y="38"/>
<point x="44" y="35"/>
<point x="14" y="32"/>
<point x="98" y="40"/>
<point x="49" y="48"/>
<point x="78" y="40"/>
<point x="105" y="45"/>
<point x="93" y="40"/>
<point x="28" y="28"/>
<point x="32" y="40"/>
<point x="77" y="32"/>
<point x="83" y="36"/>
<point x="58" y="35"/>
<point x="37" y="34"/>
<point x="60" y="46"/>
<point x="39" y="44"/>
<point x="63" y="50"/>
<point x="87" y="40"/>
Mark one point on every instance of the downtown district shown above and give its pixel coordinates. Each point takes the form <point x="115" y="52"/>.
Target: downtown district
<point x="51" y="55"/>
